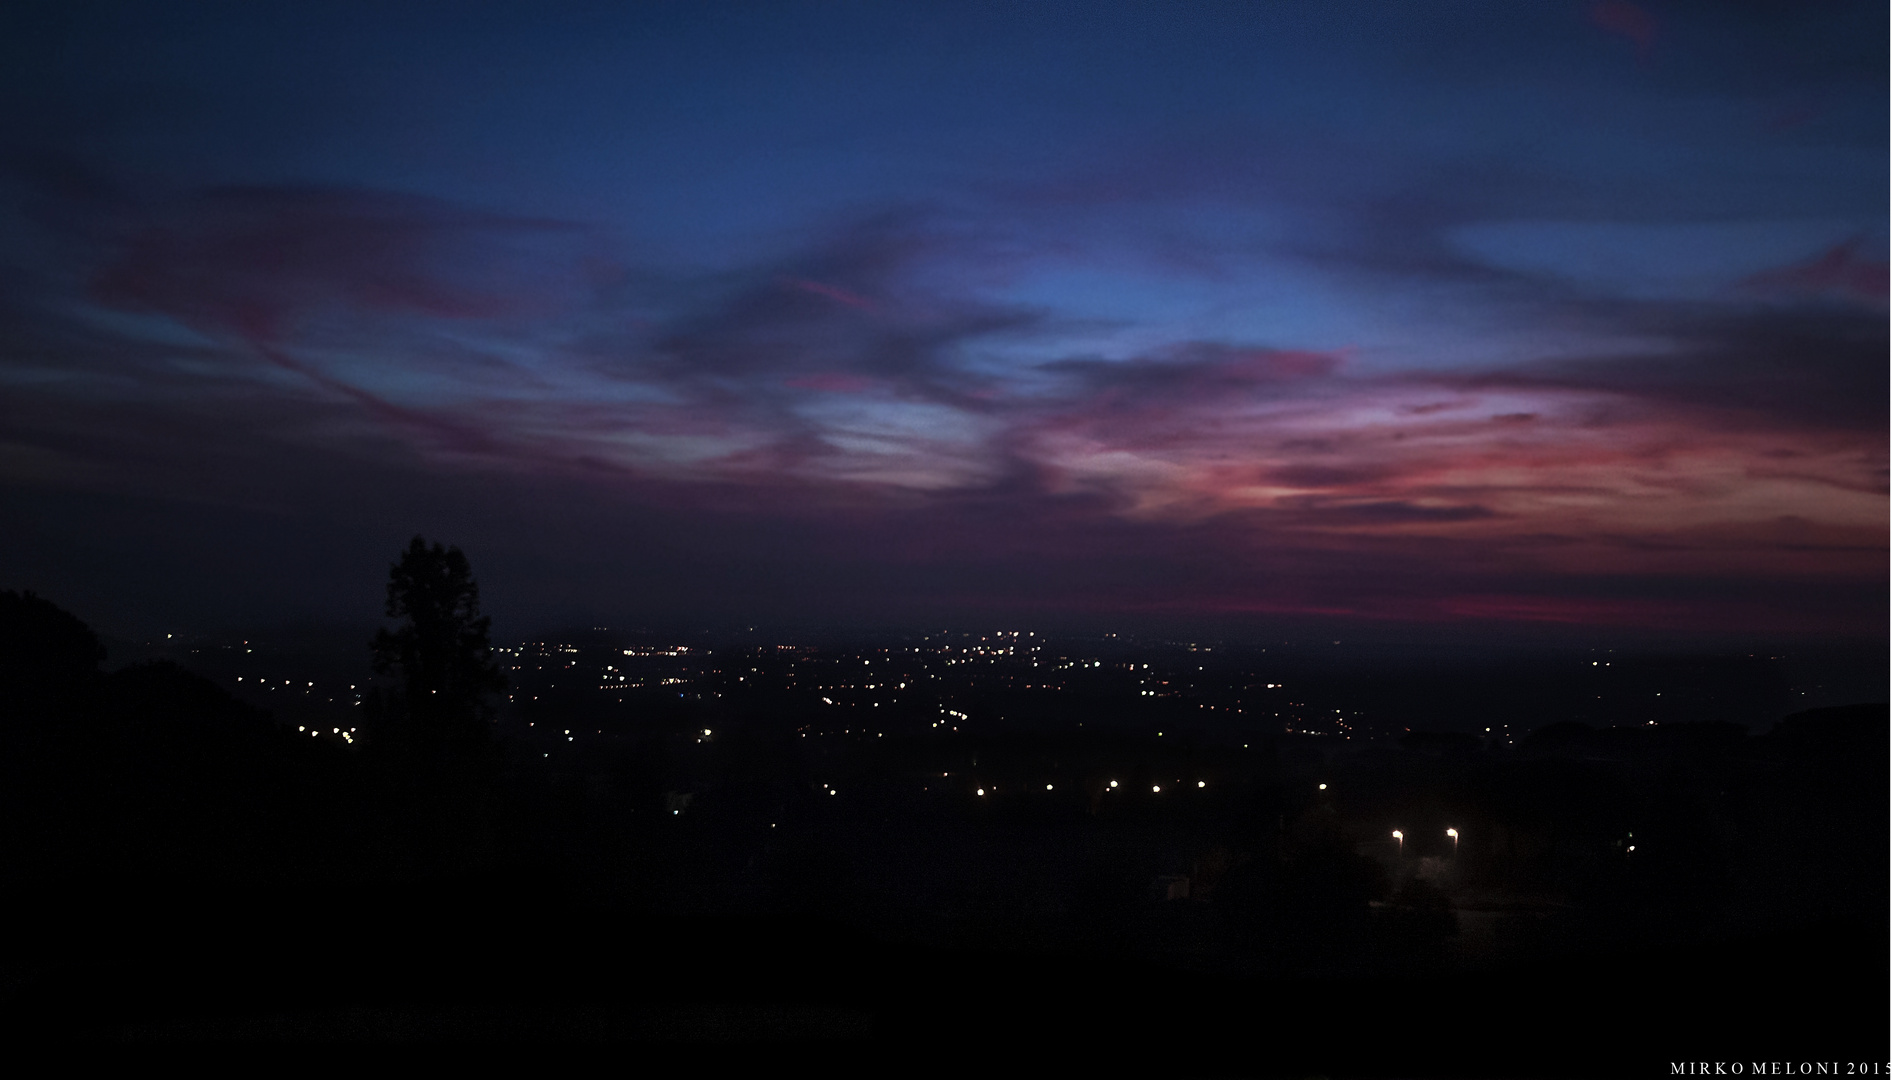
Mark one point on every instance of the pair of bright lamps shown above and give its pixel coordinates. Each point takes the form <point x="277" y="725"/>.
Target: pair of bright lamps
<point x="1401" y="837"/>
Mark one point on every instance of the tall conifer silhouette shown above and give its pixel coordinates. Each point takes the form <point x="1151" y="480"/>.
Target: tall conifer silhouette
<point x="441" y="651"/>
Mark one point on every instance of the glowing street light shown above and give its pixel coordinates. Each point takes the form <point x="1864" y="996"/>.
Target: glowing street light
<point x="1401" y="837"/>
<point x="1453" y="833"/>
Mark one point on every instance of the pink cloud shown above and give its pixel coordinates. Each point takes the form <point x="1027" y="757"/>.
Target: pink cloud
<point x="1842" y="271"/>
<point x="832" y="292"/>
<point x="259" y="264"/>
<point x="1559" y="609"/>
<point x="1250" y="479"/>
<point x="1627" y="21"/>
<point x="257" y="261"/>
<point x="832" y="382"/>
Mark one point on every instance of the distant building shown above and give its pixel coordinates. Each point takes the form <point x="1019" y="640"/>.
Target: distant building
<point x="1170" y="887"/>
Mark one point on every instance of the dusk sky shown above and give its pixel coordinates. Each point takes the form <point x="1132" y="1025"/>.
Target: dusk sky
<point x="1410" y="317"/>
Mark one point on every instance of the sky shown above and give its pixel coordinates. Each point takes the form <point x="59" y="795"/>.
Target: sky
<point x="1477" y="319"/>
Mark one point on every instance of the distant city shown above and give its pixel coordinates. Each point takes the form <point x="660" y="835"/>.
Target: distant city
<point x="945" y="682"/>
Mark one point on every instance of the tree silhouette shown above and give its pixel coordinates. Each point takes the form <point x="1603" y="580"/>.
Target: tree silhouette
<point x="441" y="651"/>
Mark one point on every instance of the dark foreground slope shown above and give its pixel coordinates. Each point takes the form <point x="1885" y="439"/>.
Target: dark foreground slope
<point x="179" y="869"/>
<point x="511" y="961"/>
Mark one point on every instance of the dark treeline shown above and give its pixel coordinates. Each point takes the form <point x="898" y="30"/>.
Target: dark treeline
<point x="741" y="872"/>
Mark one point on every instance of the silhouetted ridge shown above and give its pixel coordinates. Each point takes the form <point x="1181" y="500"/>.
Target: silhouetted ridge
<point x="1865" y="728"/>
<point x="1573" y="738"/>
<point x="160" y="691"/>
<point x="46" y="652"/>
<point x="1565" y="737"/>
<point x="1440" y="742"/>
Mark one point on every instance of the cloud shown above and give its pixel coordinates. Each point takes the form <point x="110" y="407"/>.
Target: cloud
<point x="838" y="295"/>
<point x="255" y="261"/>
<point x="1387" y="511"/>
<point x="1625" y="20"/>
<point x="869" y="412"/>
<point x="1790" y="366"/>
<point x="1843" y="272"/>
<point x="1198" y="369"/>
